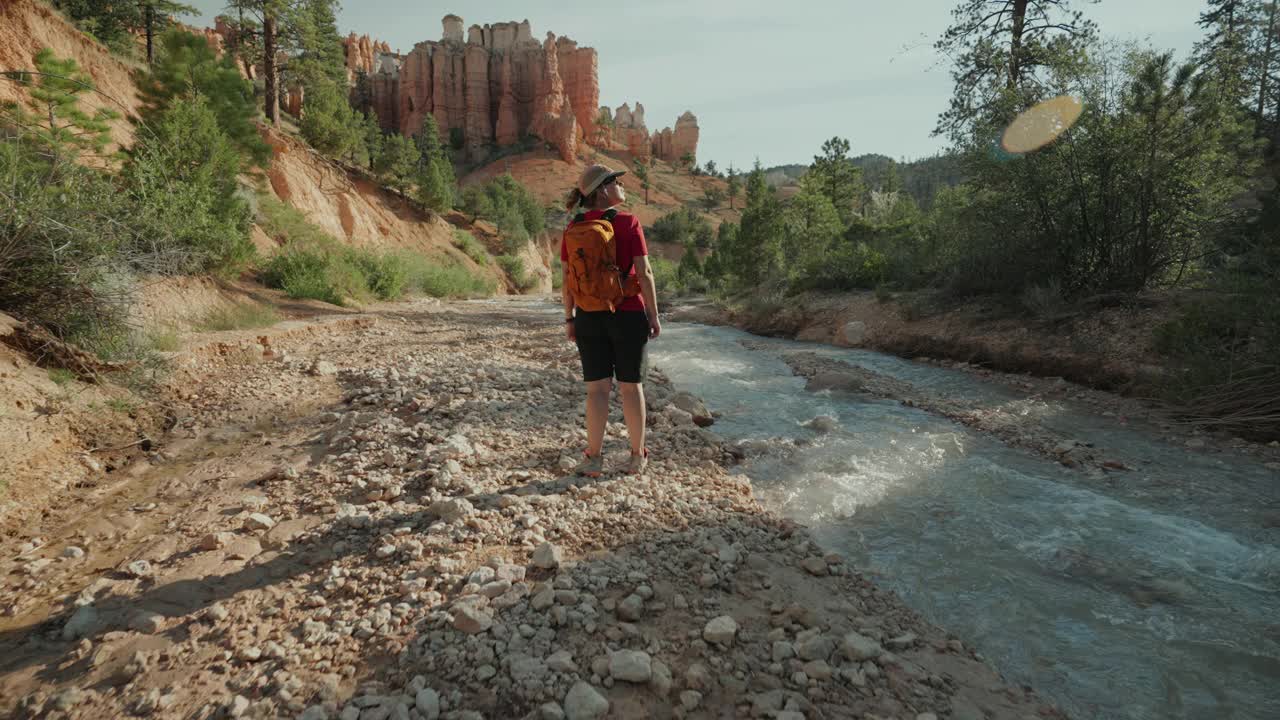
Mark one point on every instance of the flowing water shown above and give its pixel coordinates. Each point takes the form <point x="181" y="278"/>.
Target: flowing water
<point x="1148" y="594"/>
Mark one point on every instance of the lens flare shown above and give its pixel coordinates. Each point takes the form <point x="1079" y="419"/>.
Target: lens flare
<point x="1041" y="124"/>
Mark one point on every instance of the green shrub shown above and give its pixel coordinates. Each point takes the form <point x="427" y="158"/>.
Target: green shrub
<point x="510" y="206"/>
<point x="182" y="181"/>
<point x="467" y="243"/>
<point x="514" y="268"/>
<point x="240" y="316"/>
<point x="447" y="280"/>
<point x="681" y="226"/>
<point x="164" y="339"/>
<point x="557" y="273"/>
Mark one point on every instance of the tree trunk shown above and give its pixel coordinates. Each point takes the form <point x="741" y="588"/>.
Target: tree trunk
<point x="272" y="101"/>
<point x="151" y="20"/>
<point x="1015" y="43"/>
<point x="1266" y="65"/>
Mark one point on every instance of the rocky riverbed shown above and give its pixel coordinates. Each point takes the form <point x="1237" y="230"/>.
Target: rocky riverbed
<point x="376" y="521"/>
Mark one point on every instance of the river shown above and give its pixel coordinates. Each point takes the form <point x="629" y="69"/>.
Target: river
<point x="1151" y="594"/>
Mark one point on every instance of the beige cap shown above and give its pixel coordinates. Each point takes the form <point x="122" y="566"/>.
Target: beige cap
<point x="595" y="176"/>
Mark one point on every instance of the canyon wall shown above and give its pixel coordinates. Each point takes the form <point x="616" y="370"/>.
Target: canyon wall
<point x="498" y="84"/>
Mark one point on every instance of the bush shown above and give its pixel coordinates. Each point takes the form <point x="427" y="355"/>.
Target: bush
<point x="510" y="206"/>
<point x="61" y="230"/>
<point x="182" y="181"/>
<point x="681" y="226"/>
<point x="557" y="273"/>
<point x="467" y="243"/>
<point x="514" y="268"/>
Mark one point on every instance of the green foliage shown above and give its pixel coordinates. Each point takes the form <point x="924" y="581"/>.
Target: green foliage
<point x="834" y="175"/>
<point x="514" y="268"/>
<point x="712" y="197"/>
<point x="467" y="243"/>
<point x="437" y="186"/>
<point x="690" y="267"/>
<point x="60" y="238"/>
<point x="735" y="186"/>
<point x="311" y="264"/>
<point x="681" y="226"/>
<point x="181" y="178"/>
<point x="186" y="67"/>
<point x="557" y="273"/>
<point x="641" y="172"/>
<point x="509" y="205"/>
<point x="239" y="316"/>
<point x="55" y="90"/>
<point x="331" y="125"/>
<point x="397" y="162"/>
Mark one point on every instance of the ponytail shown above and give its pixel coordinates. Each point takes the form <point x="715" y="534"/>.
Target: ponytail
<point x="573" y="199"/>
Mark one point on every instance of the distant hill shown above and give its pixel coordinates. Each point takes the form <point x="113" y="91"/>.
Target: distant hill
<point x="921" y="178"/>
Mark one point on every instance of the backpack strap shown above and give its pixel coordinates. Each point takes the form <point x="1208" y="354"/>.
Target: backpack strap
<point x="609" y="214"/>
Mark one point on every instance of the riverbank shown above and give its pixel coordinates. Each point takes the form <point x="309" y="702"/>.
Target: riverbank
<point x="1099" y="355"/>
<point x="373" y="519"/>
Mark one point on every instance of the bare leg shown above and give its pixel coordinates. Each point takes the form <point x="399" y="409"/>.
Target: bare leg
<point x="597" y="413"/>
<point x="633" y="412"/>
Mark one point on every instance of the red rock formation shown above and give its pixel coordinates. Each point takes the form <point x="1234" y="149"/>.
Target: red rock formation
<point x="478" y="125"/>
<point x="360" y="54"/>
<point x="578" y="68"/>
<point x="293" y="101"/>
<point x="630" y="132"/>
<point x="555" y="122"/>
<point x="671" y="145"/>
<point x="508" y="127"/>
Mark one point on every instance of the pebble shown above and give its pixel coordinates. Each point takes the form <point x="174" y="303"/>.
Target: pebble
<point x="547" y="556"/>
<point x="584" y="702"/>
<point x="73" y="553"/>
<point x="858" y="647"/>
<point x="720" y="630"/>
<point x="257" y="522"/>
<point x="630" y="665"/>
<point x="470" y="619"/>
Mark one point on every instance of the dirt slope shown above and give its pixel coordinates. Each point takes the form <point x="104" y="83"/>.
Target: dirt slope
<point x="27" y="26"/>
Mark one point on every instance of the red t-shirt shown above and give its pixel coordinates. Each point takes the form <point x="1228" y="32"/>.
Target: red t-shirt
<point x="628" y="237"/>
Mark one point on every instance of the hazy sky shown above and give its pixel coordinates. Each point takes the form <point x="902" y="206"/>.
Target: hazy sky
<point x="766" y="79"/>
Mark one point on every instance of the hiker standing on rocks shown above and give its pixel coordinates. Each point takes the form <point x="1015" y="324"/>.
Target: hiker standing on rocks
<point x="610" y="309"/>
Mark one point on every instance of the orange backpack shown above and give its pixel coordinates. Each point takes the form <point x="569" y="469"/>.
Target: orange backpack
<point x="593" y="277"/>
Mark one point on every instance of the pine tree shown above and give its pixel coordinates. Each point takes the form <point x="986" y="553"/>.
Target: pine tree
<point x="186" y="67"/>
<point x="157" y="16"/>
<point x="735" y="185"/>
<point x="55" y="90"/>
<point x="271" y="18"/>
<point x="1000" y="50"/>
<point x="834" y="175"/>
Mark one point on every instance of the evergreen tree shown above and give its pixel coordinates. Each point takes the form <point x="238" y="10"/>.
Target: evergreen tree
<point x="187" y="68"/>
<point x="398" y="162"/>
<point x="330" y="124"/>
<point x="182" y="181"/>
<point x="833" y="174"/>
<point x="1001" y="51"/>
<point x="437" y="186"/>
<point x="735" y="186"/>
<point x="54" y="96"/>
<point x="265" y="29"/>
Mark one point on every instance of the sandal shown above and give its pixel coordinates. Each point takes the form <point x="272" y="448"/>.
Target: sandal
<point x="638" y="462"/>
<point x="590" y="466"/>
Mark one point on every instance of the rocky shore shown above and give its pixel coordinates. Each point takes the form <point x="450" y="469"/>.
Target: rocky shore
<point x="377" y="522"/>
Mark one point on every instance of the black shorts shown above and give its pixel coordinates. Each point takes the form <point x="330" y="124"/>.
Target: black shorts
<point x="612" y="344"/>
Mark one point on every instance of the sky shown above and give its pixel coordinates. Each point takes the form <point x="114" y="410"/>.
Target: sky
<point x="767" y="80"/>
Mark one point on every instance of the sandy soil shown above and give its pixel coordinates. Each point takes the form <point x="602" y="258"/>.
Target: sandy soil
<point x="371" y="516"/>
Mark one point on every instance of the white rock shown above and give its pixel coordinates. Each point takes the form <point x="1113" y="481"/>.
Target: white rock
<point x="73" y="553"/>
<point x="140" y="569"/>
<point x="631" y="665"/>
<point x="853" y="332"/>
<point x="585" y="703"/>
<point x="562" y="662"/>
<point x="631" y="608"/>
<point x="470" y="619"/>
<point x="258" y="521"/>
<point x="547" y="556"/>
<point x="720" y="630"/>
<point x="857" y="647"/>
<point x="690" y="699"/>
<point x="550" y="711"/>
<point x="238" y="706"/>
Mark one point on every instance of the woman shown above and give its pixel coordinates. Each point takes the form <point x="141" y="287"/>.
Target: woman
<point x="612" y="343"/>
